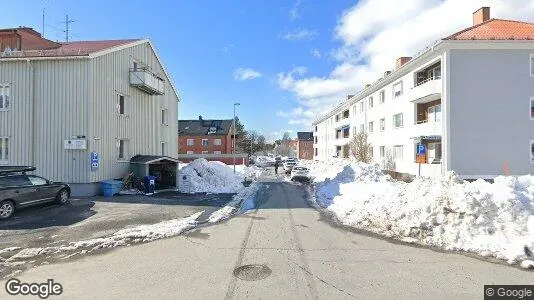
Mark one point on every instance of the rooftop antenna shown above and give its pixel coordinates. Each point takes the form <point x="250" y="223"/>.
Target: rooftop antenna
<point x="67" y="22"/>
<point x="42" y="33"/>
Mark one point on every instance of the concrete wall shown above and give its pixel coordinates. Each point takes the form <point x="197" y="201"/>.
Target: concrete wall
<point x="490" y="126"/>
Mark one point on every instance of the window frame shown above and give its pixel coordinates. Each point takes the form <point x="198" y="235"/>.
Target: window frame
<point x="531" y="108"/>
<point x="125" y="154"/>
<point x="163" y="149"/>
<point x="371" y="126"/>
<point x="401" y="89"/>
<point x="217" y="152"/>
<point x="362" y="106"/>
<point x="395" y="147"/>
<point x="402" y="121"/>
<point x="4" y="160"/>
<point x="192" y="142"/>
<point x="531" y="148"/>
<point x="370" y="102"/>
<point x="382" y="124"/>
<point x="205" y="145"/>
<point x="189" y="152"/>
<point x="3" y="96"/>
<point x="382" y="97"/>
<point x="382" y="151"/>
<point x="118" y="104"/>
<point x="217" y="142"/>
<point x="531" y="65"/>
<point x="164" y="117"/>
<point x="205" y="152"/>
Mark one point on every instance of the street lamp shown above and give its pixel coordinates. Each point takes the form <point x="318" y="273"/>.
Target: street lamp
<point x="233" y="130"/>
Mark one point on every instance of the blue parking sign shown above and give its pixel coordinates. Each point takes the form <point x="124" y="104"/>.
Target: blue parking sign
<point x="94" y="160"/>
<point x="421" y="149"/>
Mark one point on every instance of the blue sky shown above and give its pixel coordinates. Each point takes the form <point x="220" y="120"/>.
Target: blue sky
<point x="204" y="44"/>
<point x="300" y="57"/>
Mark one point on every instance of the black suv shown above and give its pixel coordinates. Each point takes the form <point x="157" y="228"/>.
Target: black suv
<point x="18" y="190"/>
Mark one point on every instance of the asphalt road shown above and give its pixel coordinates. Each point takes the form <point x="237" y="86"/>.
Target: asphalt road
<point x="300" y="254"/>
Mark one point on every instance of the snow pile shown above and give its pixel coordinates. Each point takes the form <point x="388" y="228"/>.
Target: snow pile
<point x="489" y="219"/>
<point x="143" y="233"/>
<point x="203" y="176"/>
<point x="232" y="207"/>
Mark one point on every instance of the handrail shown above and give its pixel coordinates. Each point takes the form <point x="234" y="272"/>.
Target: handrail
<point x="427" y="80"/>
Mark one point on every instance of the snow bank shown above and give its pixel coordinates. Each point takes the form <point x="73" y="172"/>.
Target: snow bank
<point x="143" y="233"/>
<point x="489" y="219"/>
<point x="209" y="177"/>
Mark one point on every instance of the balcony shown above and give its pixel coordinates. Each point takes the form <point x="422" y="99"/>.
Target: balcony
<point x="426" y="129"/>
<point x="427" y="90"/>
<point x="147" y="81"/>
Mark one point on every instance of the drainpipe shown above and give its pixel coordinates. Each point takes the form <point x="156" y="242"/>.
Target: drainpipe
<point x="34" y="135"/>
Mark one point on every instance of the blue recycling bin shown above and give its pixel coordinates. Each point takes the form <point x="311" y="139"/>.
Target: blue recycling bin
<point x="110" y="187"/>
<point x="150" y="184"/>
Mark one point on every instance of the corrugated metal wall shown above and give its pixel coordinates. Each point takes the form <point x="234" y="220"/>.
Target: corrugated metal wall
<point x="15" y="123"/>
<point x="141" y="124"/>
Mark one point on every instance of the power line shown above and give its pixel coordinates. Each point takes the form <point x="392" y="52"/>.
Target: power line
<point x="67" y="22"/>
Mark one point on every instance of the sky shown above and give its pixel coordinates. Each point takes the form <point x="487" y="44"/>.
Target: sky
<point x="285" y="61"/>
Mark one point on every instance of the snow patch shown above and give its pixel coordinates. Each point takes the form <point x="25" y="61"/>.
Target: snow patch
<point x="209" y="177"/>
<point x="480" y="217"/>
<point x="232" y="207"/>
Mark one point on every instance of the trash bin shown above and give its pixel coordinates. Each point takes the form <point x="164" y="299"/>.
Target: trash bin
<point x="150" y="184"/>
<point x="110" y="187"/>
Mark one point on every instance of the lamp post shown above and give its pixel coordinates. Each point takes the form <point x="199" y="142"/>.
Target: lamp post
<point x="233" y="130"/>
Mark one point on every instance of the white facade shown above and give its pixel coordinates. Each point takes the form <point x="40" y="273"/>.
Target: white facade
<point x="469" y="106"/>
<point x="91" y="101"/>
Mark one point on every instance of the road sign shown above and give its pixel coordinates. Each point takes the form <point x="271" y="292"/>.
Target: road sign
<point x="94" y="160"/>
<point x="421" y="149"/>
<point x="420" y="158"/>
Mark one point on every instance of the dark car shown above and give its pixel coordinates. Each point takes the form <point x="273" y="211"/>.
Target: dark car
<point x="19" y="190"/>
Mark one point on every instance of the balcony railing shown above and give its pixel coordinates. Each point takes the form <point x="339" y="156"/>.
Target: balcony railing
<point x="147" y="81"/>
<point x="427" y="90"/>
<point x="428" y="128"/>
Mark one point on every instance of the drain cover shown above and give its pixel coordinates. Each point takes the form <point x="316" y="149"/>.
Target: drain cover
<point x="252" y="272"/>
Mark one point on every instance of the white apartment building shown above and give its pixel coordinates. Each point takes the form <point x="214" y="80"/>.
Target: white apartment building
<point x="468" y="98"/>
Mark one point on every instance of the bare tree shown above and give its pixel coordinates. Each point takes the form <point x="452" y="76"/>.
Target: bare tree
<point x="360" y="148"/>
<point x="388" y="161"/>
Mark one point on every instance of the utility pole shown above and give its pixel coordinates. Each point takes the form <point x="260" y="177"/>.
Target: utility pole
<point x="67" y="22"/>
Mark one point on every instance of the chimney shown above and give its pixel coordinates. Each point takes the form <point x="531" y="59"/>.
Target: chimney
<point x="481" y="15"/>
<point x="200" y="118"/>
<point x="402" y="60"/>
<point x="349" y="96"/>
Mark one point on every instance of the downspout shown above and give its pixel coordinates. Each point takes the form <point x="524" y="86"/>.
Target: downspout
<point x="34" y="135"/>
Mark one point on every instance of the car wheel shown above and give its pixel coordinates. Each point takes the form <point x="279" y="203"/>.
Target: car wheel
<point x="7" y="208"/>
<point x="62" y="196"/>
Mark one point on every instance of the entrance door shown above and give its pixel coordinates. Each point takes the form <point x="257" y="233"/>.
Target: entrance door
<point x="434" y="152"/>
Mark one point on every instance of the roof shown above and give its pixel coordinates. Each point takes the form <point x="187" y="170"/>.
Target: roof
<point x="148" y="159"/>
<point x="305" y="136"/>
<point x="496" y="29"/>
<point x="202" y="127"/>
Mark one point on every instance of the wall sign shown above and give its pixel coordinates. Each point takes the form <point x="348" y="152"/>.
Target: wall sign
<point x="94" y="160"/>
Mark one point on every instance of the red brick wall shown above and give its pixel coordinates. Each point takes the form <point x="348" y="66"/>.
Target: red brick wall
<point x="305" y="149"/>
<point x="197" y="148"/>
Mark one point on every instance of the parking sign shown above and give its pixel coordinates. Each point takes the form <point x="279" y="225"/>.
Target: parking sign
<point x="421" y="149"/>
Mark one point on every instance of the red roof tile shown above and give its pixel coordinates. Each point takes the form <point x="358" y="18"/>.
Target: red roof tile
<point x="496" y="29"/>
<point x="93" y="46"/>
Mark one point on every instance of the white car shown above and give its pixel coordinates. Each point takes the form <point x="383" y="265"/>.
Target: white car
<point x="300" y="173"/>
<point x="288" y="165"/>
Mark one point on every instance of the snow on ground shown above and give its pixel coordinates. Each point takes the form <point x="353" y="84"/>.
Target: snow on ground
<point x="491" y="219"/>
<point x="232" y="207"/>
<point x="143" y="233"/>
<point x="209" y="177"/>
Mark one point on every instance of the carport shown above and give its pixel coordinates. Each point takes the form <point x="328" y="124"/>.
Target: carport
<point x="164" y="168"/>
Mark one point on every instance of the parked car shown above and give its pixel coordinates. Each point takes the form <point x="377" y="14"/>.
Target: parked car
<point x="300" y="173"/>
<point x="288" y="165"/>
<point x="19" y="190"/>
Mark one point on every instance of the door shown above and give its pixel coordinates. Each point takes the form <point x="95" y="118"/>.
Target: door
<point x="434" y="152"/>
<point x="19" y="188"/>
<point x="43" y="190"/>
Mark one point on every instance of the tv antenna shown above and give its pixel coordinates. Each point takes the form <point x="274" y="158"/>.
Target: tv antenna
<point x="67" y="22"/>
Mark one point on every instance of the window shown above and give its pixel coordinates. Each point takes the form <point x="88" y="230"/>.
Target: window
<point x="382" y="124"/>
<point x="122" y="149"/>
<point x="434" y="113"/>
<point x="371" y="126"/>
<point x="382" y="151"/>
<point x="531" y="65"/>
<point x="163" y="149"/>
<point x="315" y="128"/>
<point x="397" y="151"/>
<point x="217" y="142"/>
<point x="164" y="117"/>
<point x="371" y="102"/>
<point x="337" y="118"/>
<point x="382" y="96"/>
<point x="532" y="151"/>
<point x="371" y="151"/>
<point x="315" y="139"/>
<point x="204" y="152"/>
<point x="354" y="130"/>
<point x="532" y="108"/>
<point x="190" y="142"/>
<point x="217" y="152"/>
<point x="362" y="127"/>
<point x="17" y="180"/>
<point x="397" y="121"/>
<point x="397" y="89"/>
<point x="354" y="110"/>
<point x="120" y="104"/>
<point x="361" y="106"/>
<point x="4" y="96"/>
<point x="37" y="180"/>
<point x="4" y="150"/>
<point x="190" y="152"/>
<point x="346" y="114"/>
<point x="205" y="142"/>
<point x="315" y="150"/>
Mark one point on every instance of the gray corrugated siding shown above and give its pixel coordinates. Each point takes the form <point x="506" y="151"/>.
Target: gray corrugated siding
<point x="78" y="97"/>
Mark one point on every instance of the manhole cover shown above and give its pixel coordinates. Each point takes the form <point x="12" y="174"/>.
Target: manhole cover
<point x="252" y="272"/>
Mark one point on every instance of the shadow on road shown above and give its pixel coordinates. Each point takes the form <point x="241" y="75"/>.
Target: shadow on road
<point x="171" y="198"/>
<point x="46" y="215"/>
